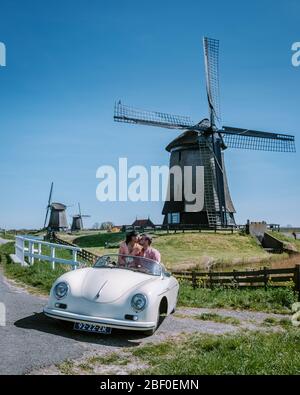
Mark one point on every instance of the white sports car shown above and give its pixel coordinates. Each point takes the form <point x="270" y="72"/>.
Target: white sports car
<point x="119" y="291"/>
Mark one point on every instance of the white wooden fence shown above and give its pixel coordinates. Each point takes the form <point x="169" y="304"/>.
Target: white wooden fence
<point x="31" y="248"/>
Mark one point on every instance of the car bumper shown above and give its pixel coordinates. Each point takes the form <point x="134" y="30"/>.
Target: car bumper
<point x="109" y="322"/>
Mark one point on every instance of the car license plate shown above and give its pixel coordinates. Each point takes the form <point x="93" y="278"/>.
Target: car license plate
<point x="80" y="326"/>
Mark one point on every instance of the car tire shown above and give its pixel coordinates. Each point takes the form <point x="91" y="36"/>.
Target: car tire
<point x="151" y="332"/>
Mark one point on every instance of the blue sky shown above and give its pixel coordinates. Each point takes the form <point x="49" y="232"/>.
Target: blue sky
<point x="68" y="61"/>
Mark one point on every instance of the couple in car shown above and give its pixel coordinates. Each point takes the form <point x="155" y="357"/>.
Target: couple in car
<point x="136" y="245"/>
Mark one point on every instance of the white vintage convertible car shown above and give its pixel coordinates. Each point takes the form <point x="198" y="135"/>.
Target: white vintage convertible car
<point x="119" y="291"/>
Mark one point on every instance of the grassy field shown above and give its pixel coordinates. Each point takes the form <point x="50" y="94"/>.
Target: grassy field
<point x="244" y="353"/>
<point x="272" y="300"/>
<point x="247" y="353"/>
<point x="191" y="249"/>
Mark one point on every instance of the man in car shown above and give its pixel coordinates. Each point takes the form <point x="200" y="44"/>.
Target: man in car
<point x="148" y="251"/>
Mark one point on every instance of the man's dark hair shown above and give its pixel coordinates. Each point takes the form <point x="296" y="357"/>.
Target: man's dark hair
<point x="130" y="235"/>
<point x="148" y="238"/>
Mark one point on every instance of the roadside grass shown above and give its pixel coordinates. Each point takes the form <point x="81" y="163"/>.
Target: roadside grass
<point x="40" y="275"/>
<point x="89" y="365"/>
<point x="271" y="321"/>
<point x="272" y="300"/>
<point x="7" y="235"/>
<point x="191" y="249"/>
<point x="248" y="353"/>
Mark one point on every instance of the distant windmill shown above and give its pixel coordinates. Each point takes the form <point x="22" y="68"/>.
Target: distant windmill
<point x="77" y="222"/>
<point x="58" y="219"/>
<point x="202" y="144"/>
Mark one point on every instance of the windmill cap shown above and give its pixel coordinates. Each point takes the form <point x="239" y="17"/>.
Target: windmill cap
<point x="58" y="206"/>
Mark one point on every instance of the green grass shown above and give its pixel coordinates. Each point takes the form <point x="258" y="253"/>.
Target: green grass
<point x="276" y="300"/>
<point x="247" y="353"/>
<point x="190" y="249"/>
<point x="7" y="235"/>
<point x="272" y="321"/>
<point x="40" y="275"/>
<point x="290" y="240"/>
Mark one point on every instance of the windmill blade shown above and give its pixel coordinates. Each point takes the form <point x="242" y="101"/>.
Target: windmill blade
<point x="50" y="194"/>
<point x="85" y="216"/>
<point x="211" y="60"/>
<point x="128" y="114"/>
<point x="256" y="140"/>
<point x="79" y="208"/>
<point x="49" y="204"/>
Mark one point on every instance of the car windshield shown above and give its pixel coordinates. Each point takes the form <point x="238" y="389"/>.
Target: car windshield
<point x="134" y="263"/>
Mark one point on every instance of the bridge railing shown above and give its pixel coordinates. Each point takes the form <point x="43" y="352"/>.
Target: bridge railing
<point x="32" y="249"/>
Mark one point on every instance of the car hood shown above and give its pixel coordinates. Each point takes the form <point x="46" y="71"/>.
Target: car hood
<point x="104" y="285"/>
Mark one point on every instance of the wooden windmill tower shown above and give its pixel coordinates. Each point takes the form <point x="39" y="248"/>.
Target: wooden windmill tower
<point x="58" y="219"/>
<point x="202" y="144"/>
<point x="77" y="222"/>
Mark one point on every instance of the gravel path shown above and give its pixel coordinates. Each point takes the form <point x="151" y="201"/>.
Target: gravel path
<point x="31" y="342"/>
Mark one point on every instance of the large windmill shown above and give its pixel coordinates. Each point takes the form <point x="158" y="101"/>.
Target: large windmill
<point x="202" y="144"/>
<point x="77" y="222"/>
<point x="58" y="219"/>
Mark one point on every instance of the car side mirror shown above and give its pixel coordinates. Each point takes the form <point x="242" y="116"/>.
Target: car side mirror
<point x="168" y="274"/>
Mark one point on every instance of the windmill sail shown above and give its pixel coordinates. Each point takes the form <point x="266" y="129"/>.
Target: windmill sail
<point x="49" y="205"/>
<point x="128" y="114"/>
<point x="255" y="140"/>
<point x="211" y="59"/>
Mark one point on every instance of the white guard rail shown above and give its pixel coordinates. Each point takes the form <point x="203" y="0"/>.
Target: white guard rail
<point x="32" y="248"/>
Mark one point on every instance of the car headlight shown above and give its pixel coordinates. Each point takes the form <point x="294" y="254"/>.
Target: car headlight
<point x="138" y="302"/>
<point x="61" y="290"/>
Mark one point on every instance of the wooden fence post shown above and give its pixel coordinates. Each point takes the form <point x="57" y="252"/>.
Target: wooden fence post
<point x="210" y="278"/>
<point x="53" y="257"/>
<point x="297" y="280"/>
<point x="39" y="250"/>
<point x="194" y="280"/>
<point x="31" y="251"/>
<point x="75" y="259"/>
<point x="266" y="278"/>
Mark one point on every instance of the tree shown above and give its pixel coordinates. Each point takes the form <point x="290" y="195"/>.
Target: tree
<point x="107" y="225"/>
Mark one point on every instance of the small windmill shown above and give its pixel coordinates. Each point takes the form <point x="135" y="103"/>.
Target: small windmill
<point x="58" y="219"/>
<point x="77" y="222"/>
<point x="202" y="144"/>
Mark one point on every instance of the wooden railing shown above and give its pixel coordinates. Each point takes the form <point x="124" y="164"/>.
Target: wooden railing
<point x="85" y="255"/>
<point x="32" y="249"/>
<point x="243" y="278"/>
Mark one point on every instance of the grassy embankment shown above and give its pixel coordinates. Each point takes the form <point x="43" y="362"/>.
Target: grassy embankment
<point x="190" y="249"/>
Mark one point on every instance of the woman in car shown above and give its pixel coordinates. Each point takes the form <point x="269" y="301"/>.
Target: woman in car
<point x="130" y="246"/>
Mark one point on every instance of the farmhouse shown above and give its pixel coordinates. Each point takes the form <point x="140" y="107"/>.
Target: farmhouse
<point x="143" y="223"/>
